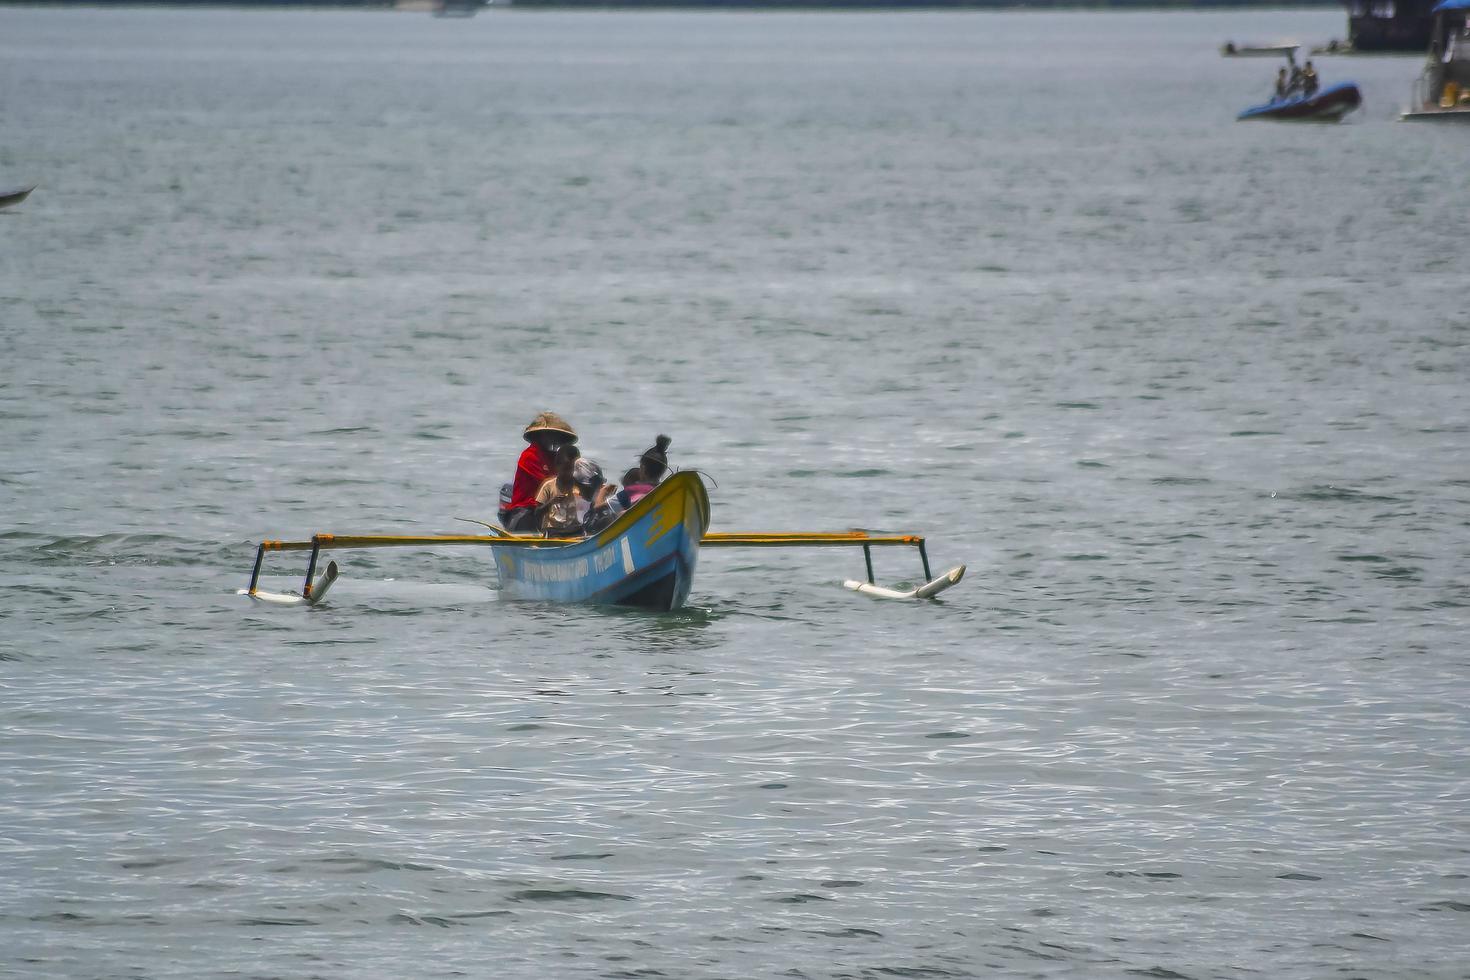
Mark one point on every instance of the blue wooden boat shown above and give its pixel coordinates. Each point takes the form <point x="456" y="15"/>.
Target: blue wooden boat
<point x="1328" y="104"/>
<point x="645" y="558"/>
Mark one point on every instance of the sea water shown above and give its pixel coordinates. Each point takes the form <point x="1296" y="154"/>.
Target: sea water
<point x="1189" y="398"/>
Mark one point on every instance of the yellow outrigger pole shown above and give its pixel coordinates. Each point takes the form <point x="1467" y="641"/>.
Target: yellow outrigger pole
<point x="319" y="542"/>
<point x="736" y="539"/>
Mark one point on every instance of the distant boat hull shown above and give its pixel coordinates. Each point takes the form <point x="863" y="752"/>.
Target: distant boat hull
<point x="1327" y="105"/>
<point x="1259" y="50"/>
<point x="14" y="195"/>
<point x="646" y="558"/>
<point x="1461" y="113"/>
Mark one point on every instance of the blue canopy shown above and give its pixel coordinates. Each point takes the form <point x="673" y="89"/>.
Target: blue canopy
<point x="1444" y="5"/>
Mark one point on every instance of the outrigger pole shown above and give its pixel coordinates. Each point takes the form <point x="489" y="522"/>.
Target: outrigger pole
<point x="816" y="539"/>
<point x="321" y="542"/>
<point x="313" y="589"/>
<point x="807" y="539"/>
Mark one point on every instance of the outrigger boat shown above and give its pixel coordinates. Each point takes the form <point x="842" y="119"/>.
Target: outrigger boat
<point x="1443" y="88"/>
<point x="646" y="558"/>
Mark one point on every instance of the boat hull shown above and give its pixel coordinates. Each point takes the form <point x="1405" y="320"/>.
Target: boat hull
<point x="14" y="195"/>
<point x="646" y="558"/>
<point x="1328" y="105"/>
<point x="1285" y="48"/>
<point x="1461" y="113"/>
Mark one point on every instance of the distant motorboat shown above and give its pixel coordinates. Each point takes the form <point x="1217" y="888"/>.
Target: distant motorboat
<point x="1329" y="104"/>
<point x="1339" y="47"/>
<point x="458" y="8"/>
<point x="14" y="195"/>
<point x="1232" y="50"/>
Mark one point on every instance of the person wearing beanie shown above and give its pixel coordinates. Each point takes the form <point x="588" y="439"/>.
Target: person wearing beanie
<point x="546" y="433"/>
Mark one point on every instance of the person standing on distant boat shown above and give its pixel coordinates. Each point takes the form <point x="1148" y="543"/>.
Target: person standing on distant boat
<point x="1282" y="85"/>
<point x="1309" y="80"/>
<point x="546" y="433"/>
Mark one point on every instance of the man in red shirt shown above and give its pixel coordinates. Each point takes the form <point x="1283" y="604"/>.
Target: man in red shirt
<point x="546" y="433"/>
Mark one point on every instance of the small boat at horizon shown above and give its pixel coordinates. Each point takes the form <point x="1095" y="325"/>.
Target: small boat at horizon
<point x="14" y="195"/>
<point x="458" y="8"/>
<point x="1232" y="50"/>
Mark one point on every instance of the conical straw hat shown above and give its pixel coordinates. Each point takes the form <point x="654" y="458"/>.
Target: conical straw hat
<point x="550" y="422"/>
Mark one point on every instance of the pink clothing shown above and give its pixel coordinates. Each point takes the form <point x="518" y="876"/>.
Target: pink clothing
<point x="635" y="491"/>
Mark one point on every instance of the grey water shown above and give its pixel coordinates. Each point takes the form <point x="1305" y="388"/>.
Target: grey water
<point x="1188" y="397"/>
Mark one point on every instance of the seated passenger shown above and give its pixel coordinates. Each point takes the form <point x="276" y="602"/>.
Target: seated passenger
<point x="595" y="491"/>
<point x="557" y="501"/>
<point x="641" y="480"/>
<point x="546" y="433"/>
<point x="589" y="479"/>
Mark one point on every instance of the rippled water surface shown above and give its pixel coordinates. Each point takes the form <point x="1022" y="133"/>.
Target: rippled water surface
<point x="1189" y="397"/>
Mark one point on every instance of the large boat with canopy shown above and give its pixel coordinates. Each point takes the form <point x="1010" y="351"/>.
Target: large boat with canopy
<point x="1442" y="90"/>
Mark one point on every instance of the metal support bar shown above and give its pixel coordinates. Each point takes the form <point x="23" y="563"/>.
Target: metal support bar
<point x="255" y="575"/>
<point x="868" y="558"/>
<point x="316" y="549"/>
<point x="924" y="557"/>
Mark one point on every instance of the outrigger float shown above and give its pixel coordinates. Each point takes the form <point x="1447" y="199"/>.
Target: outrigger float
<point x="646" y="558"/>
